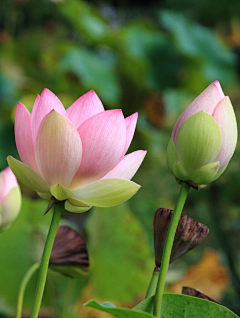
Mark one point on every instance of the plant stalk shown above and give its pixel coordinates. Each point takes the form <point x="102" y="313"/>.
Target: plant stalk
<point x="168" y="247"/>
<point x="45" y="259"/>
<point x="23" y="286"/>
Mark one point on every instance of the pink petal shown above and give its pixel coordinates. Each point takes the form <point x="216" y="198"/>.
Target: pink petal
<point x="206" y="101"/>
<point x="128" y="166"/>
<point x="8" y="181"/>
<point x="23" y="136"/>
<point x="84" y="107"/>
<point x="103" y="139"/>
<point x="35" y="104"/>
<point x="58" y="149"/>
<point x="225" y="117"/>
<point x="47" y="102"/>
<point x="130" y="122"/>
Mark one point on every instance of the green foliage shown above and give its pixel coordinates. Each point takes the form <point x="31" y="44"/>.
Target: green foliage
<point x="174" y="305"/>
<point x="21" y="246"/>
<point x="96" y="72"/>
<point x="118" y="312"/>
<point x="119" y="254"/>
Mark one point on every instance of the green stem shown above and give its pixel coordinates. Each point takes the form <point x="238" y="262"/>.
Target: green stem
<point x="168" y="247"/>
<point x="23" y="286"/>
<point x="45" y="259"/>
<point x="153" y="284"/>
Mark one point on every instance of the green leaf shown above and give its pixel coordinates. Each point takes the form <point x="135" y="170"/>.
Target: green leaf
<point x="85" y="19"/>
<point x="146" y="305"/>
<point x="182" y="306"/>
<point x="200" y="43"/>
<point x="122" y="262"/>
<point x="118" y="312"/>
<point x="174" y="306"/>
<point x="19" y="249"/>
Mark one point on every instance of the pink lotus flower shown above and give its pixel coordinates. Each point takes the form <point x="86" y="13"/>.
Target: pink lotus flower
<point x="78" y="154"/>
<point x="10" y="198"/>
<point x="204" y="138"/>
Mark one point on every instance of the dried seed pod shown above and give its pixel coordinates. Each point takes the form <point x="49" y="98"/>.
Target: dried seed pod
<point x="194" y="292"/>
<point x="69" y="254"/>
<point x="189" y="234"/>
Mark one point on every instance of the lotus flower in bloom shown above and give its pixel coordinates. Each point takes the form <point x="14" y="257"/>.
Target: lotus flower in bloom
<point x="204" y="138"/>
<point x="78" y="154"/>
<point x="10" y="198"/>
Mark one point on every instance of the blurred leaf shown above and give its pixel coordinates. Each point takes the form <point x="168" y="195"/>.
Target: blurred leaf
<point x="120" y="255"/>
<point x="95" y="71"/>
<point x="7" y="143"/>
<point x="155" y="49"/>
<point x="198" y="42"/>
<point x="85" y="19"/>
<point x="21" y="246"/>
<point x="18" y="252"/>
<point x="8" y="89"/>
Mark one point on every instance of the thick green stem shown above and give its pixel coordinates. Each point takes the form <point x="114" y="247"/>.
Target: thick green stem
<point x="23" y="286"/>
<point x="153" y="285"/>
<point x="45" y="259"/>
<point x="168" y="247"/>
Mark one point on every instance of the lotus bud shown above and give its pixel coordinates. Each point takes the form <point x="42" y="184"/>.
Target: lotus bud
<point x="189" y="234"/>
<point x="69" y="255"/>
<point x="203" y="139"/>
<point x="10" y="199"/>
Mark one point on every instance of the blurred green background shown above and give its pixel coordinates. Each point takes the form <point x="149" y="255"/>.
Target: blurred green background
<point x="153" y="57"/>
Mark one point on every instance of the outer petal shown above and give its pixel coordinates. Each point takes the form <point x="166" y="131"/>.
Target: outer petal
<point x="171" y="156"/>
<point x="76" y="209"/>
<point x="23" y="136"/>
<point x="130" y="122"/>
<point x="200" y="176"/>
<point x="58" y="149"/>
<point x="107" y="192"/>
<point x="35" y="104"/>
<point x="84" y="107"/>
<point x="225" y="117"/>
<point x="206" y="101"/>
<point x="47" y="102"/>
<point x="7" y="182"/>
<point x="45" y="196"/>
<point x="27" y="176"/>
<point x="128" y="166"/>
<point x="198" y="141"/>
<point x="103" y="139"/>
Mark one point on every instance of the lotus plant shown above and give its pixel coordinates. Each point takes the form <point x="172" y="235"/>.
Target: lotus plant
<point x="203" y="139"/>
<point x="76" y="155"/>
<point x="10" y="199"/>
<point x="75" y="158"/>
<point x="202" y="143"/>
